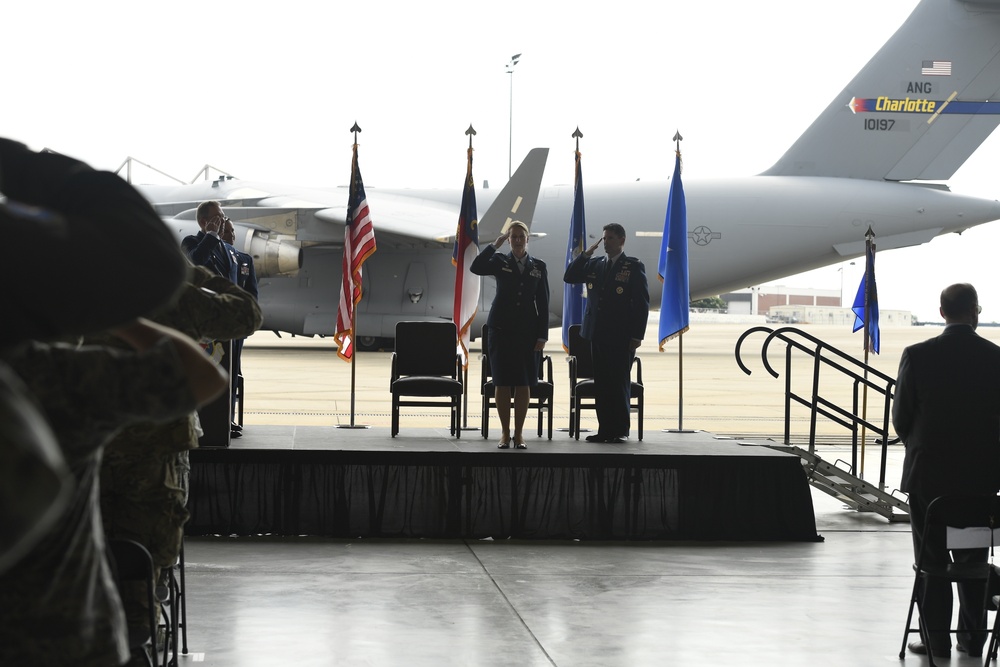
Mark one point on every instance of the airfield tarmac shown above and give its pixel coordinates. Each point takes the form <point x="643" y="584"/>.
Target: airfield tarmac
<point x="301" y="381"/>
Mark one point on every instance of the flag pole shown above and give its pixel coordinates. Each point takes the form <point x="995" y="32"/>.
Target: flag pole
<point x="467" y="285"/>
<point x="354" y="359"/>
<point x="574" y="300"/>
<point x="675" y="299"/>
<point x="869" y="251"/>
<point x="680" y="382"/>
<point x="471" y="132"/>
<point x="355" y="177"/>
<point x="354" y="311"/>
<point x="680" y="337"/>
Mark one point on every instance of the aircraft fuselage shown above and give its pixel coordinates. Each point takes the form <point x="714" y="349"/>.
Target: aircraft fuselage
<point x="741" y="232"/>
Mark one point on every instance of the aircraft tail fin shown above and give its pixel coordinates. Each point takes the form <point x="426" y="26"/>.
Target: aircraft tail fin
<point x="517" y="199"/>
<point x="919" y="108"/>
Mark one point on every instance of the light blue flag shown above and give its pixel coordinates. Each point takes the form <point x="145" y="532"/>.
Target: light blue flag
<point x="673" y="268"/>
<point x="867" y="290"/>
<point x="574" y="301"/>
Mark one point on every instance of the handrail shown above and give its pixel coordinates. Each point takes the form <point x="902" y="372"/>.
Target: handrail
<point x="824" y="355"/>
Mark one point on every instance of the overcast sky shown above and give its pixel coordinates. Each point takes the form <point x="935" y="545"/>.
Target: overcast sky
<point x="269" y="91"/>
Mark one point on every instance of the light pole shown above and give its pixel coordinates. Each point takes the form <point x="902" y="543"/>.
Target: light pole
<point x="841" y="270"/>
<point x="510" y="127"/>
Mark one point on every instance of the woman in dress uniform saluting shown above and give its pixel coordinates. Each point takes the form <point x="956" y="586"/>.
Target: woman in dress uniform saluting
<point x="518" y="325"/>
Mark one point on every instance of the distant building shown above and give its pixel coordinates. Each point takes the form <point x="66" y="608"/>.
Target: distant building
<point x="804" y="306"/>
<point x="835" y="316"/>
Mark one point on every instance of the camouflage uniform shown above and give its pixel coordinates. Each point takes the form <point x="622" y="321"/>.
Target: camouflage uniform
<point x="143" y="496"/>
<point x="34" y="480"/>
<point x="59" y="604"/>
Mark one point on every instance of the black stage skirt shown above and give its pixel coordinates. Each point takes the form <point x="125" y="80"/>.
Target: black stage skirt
<point x="513" y="358"/>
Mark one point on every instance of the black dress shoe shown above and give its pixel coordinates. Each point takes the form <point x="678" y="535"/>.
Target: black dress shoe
<point x="616" y="440"/>
<point x="236" y="434"/>
<point x="597" y="437"/>
<point x="520" y="445"/>
<point x="920" y="649"/>
<point x="235" y="427"/>
<point x="972" y="653"/>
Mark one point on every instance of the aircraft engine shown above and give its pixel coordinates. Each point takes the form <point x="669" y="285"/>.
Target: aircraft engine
<point x="273" y="254"/>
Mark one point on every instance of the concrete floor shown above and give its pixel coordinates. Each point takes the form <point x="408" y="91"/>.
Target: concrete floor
<point x="307" y="601"/>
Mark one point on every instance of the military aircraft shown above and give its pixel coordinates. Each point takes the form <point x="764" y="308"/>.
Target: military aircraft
<point x="920" y="107"/>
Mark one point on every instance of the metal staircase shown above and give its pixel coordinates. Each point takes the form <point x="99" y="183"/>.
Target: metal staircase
<point x="831" y="366"/>
<point x="838" y="480"/>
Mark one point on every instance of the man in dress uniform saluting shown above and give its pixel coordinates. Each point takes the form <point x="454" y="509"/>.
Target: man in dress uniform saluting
<point x="614" y="323"/>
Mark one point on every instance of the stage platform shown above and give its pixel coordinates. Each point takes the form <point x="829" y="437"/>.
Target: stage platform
<point x="338" y="482"/>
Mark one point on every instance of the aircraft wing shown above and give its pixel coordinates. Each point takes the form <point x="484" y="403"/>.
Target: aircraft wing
<point x="432" y="216"/>
<point x="318" y="216"/>
<point x="409" y="217"/>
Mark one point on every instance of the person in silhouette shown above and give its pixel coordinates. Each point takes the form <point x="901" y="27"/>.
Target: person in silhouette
<point x="518" y="325"/>
<point x="614" y="323"/>
<point x="947" y="412"/>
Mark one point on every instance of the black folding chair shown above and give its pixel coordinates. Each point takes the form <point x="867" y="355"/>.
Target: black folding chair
<point x="958" y="522"/>
<point x="426" y="365"/>
<point x="131" y="562"/>
<point x="174" y="611"/>
<point x="581" y="383"/>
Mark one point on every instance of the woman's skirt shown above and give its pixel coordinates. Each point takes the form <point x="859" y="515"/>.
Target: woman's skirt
<point x="513" y="359"/>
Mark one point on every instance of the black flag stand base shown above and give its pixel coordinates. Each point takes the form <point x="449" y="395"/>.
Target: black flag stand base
<point x="353" y="426"/>
<point x="678" y="430"/>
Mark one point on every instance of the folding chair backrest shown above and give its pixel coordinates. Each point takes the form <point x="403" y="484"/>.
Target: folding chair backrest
<point x="580" y="348"/>
<point x="969" y="522"/>
<point x="971" y="538"/>
<point x="132" y="561"/>
<point x="426" y="348"/>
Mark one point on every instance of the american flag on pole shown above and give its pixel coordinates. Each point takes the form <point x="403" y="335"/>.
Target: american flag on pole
<point x="359" y="244"/>
<point x="466" y="249"/>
